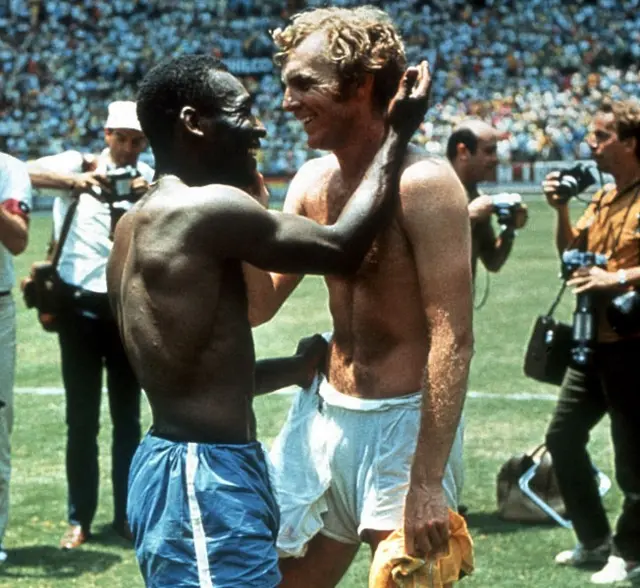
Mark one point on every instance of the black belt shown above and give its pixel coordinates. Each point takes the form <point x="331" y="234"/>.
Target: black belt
<point x="5" y="293"/>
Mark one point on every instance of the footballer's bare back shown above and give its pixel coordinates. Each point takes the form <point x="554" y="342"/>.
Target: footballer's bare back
<point x="182" y="313"/>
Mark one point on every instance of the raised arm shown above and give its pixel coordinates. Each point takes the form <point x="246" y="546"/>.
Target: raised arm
<point x="565" y="232"/>
<point x="493" y="250"/>
<point x="242" y="229"/>
<point x="267" y="292"/>
<point x="437" y="224"/>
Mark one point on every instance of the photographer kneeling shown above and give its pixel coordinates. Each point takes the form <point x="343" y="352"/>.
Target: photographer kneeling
<point x="95" y="190"/>
<point x="602" y="379"/>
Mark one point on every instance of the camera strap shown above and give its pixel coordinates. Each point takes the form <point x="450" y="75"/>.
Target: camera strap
<point x="66" y="225"/>
<point x="557" y="299"/>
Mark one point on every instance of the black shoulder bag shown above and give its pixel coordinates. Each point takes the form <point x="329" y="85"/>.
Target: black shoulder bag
<point x="549" y="350"/>
<point x="42" y="289"/>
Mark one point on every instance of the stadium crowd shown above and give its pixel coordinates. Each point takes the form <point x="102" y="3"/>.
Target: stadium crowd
<point x="535" y="68"/>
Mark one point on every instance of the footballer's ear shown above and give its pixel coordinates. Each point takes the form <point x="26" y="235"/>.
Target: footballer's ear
<point x="191" y="120"/>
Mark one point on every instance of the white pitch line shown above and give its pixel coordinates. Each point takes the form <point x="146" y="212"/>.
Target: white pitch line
<point x="526" y="396"/>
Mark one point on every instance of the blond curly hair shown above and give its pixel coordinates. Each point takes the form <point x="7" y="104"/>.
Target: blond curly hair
<point x="626" y="114"/>
<point x="360" y="41"/>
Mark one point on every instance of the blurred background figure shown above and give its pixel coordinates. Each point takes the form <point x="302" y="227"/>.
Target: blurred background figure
<point x="88" y="334"/>
<point x="15" y="204"/>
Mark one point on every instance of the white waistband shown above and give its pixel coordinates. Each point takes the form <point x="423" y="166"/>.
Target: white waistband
<point x="335" y="398"/>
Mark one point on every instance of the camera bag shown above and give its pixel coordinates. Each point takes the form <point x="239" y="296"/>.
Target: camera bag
<point x="42" y="290"/>
<point x="513" y="504"/>
<point x="549" y="349"/>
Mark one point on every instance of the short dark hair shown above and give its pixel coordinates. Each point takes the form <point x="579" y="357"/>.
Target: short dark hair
<point x="168" y="87"/>
<point x="465" y="136"/>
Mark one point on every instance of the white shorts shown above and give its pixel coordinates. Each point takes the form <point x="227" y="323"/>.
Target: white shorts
<point x="342" y="466"/>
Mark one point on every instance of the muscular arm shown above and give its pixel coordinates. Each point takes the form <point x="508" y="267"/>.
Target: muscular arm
<point x="437" y="224"/>
<point x="240" y="228"/>
<point x="299" y="369"/>
<point x="266" y="291"/>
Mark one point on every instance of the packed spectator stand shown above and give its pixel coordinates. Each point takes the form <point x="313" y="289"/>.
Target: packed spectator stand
<point x="529" y="66"/>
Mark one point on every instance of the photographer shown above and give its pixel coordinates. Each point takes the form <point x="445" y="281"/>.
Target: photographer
<point x="87" y="331"/>
<point x="472" y="151"/>
<point x="608" y="381"/>
<point x="15" y="201"/>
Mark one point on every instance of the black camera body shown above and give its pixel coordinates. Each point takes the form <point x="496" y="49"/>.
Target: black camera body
<point x="574" y="259"/>
<point x="573" y="181"/>
<point x="584" y="320"/>
<point x="623" y="313"/>
<point x="120" y="179"/>
<point x="506" y="207"/>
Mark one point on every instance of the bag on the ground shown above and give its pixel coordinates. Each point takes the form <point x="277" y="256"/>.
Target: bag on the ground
<point x="513" y="504"/>
<point x="549" y="350"/>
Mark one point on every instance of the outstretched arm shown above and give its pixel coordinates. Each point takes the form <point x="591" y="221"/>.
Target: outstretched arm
<point x="240" y="228"/>
<point x="298" y="370"/>
<point x="437" y="224"/>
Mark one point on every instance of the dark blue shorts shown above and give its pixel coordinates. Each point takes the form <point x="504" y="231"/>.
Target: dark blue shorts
<point x="203" y="515"/>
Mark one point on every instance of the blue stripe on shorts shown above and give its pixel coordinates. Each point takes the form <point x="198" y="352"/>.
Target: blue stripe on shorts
<point x="203" y="515"/>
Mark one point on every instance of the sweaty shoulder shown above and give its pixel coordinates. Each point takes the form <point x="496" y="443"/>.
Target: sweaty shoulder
<point x="309" y="178"/>
<point x="430" y="182"/>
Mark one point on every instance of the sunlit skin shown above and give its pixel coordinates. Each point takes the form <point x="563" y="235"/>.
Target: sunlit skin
<point x="312" y="94"/>
<point x="413" y="288"/>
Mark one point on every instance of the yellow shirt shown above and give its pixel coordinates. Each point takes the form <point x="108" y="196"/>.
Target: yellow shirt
<point x="613" y="222"/>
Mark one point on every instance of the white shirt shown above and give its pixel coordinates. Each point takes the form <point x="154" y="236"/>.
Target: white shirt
<point x="14" y="184"/>
<point x="83" y="261"/>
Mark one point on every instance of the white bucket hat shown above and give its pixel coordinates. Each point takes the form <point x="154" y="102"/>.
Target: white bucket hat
<point x="122" y="115"/>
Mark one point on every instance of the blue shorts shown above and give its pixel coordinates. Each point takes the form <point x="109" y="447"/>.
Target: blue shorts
<point x="203" y="515"/>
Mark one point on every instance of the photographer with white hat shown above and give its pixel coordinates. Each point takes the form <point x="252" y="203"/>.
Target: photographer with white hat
<point x="96" y="186"/>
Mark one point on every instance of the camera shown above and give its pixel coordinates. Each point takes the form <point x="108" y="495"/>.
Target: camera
<point x="507" y="206"/>
<point x="623" y="313"/>
<point x="584" y="321"/>
<point x="574" y="259"/>
<point x="573" y="181"/>
<point x="120" y="180"/>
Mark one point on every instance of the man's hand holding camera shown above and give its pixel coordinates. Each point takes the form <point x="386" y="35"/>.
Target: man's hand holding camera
<point x="509" y="208"/>
<point x="88" y="183"/>
<point x="105" y="189"/>
<point x="593" y="278"/>
<point x="480" y="208"/>
<point x="561" y="185"/>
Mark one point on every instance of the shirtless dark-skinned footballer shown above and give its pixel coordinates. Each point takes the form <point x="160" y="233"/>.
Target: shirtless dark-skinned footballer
<point x="201" y="507"/>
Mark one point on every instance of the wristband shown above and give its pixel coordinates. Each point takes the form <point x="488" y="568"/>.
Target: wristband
<point x="622" y="277"/>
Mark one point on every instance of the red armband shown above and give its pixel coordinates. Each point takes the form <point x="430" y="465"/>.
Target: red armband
<point x="17" y="207"/>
